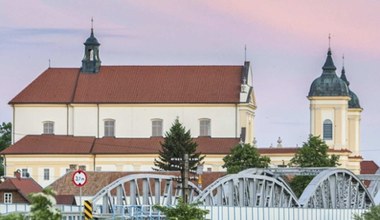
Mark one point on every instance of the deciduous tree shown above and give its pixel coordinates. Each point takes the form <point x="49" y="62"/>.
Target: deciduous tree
<point x="244" y="156"/>
<point x="5" y="135"/>
<point x="42" y="206"/>
<point x="312" y="154"/>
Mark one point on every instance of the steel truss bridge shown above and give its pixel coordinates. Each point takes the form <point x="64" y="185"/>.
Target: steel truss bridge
<point x="330" y="188"/>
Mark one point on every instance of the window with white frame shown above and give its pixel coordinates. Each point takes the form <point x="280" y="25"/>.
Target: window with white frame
<point x="157" y="127"/>
<point x="204" y="127"/>
<point x="48" y="127"/>
<point x="24" y="172"/>
<point x="327" y="130"/>
<point x="109" y="128"/>
<point x="8" y="198"/>
<point x="46" y="174"/>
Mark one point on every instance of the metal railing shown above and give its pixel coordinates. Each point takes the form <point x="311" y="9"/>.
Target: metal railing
<point x="137" y="212"/>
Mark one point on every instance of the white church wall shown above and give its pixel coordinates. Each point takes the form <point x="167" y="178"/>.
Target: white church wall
<point x="84" y="120"/>
<point x="136" y="121"/>
<point x="29" y="119"/>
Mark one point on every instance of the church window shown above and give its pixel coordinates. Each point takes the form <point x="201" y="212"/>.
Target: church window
<point x="327" y="130"/>
<point x="157" y="127"/>
<point x="109" y="128"/>
<point x="48" y="127"/>
<point x="46" y="174"/>
<point x="24" y="173"/>
<point x="204" y="127"/>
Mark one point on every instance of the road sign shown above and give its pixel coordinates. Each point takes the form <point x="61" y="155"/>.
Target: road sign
<point x="79" y="178"/>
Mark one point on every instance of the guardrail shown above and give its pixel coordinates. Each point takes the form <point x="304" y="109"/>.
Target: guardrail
<point x="215" y="212"/>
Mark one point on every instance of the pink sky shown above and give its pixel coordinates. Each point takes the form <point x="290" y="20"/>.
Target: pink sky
<point x="286" y="41"/>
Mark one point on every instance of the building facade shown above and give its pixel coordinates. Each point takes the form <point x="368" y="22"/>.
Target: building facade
<point x="113" y="118"/>
<point x="335" y="112"/>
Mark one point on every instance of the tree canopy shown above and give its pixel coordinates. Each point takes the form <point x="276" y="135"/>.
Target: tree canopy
<point x="372" y="214"/>
<point x="5" y="135"/>
<point x="183" y="211"/>
<point x="243" y="157"/>
<point x="177" y="143"/>
<point x="312" y="154"/>
<point x="42" y="205"/>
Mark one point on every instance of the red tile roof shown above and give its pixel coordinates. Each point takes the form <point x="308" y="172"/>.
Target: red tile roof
<point x="24" y="186"/>
<point x="54" y="85"/>
<point x="60" y="144"/>
<point x="293" y="150"/>
<point x="135" y="84"/>
<point x="51" y="144"/>
<point x="368" y="167"/>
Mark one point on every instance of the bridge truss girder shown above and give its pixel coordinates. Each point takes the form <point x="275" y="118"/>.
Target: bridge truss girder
<point x="336" y="189"/>
<point x="141" y="189"/>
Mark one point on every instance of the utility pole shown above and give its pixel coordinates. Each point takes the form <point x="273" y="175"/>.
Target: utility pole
<point x="185" y="180"/>
<point x="183" y="164"/>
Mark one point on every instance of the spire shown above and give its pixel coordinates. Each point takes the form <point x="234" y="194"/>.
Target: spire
<point x="343" y="75"/>
<point x="329" y="64"/>
<point x="245" y="52"/>
<point x="92" y="28"/>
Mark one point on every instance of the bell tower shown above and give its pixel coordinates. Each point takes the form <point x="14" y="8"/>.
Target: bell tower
<point x="329" y="96"/>
<point x="91" y="61"/>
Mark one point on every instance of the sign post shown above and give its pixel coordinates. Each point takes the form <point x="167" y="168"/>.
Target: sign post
<point x="80" y="179"/>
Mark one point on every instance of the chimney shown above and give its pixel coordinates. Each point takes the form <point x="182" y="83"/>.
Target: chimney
<point x="17" y="174"/>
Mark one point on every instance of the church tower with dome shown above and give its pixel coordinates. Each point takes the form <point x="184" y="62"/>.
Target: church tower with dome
<point x="335" y="111"/>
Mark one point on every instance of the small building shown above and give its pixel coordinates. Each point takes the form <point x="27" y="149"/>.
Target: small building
<point x="16" y="189"/>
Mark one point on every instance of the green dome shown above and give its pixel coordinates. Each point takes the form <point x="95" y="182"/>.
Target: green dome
<point x="354" y="102"/>
<point x="92" y="39"/>
<point x="328" y="84"/>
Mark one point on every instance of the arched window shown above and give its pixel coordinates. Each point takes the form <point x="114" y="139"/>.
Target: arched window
<point x="109" y="128"/>
<point x="327" y="130"/>
<point x="204" y="127"/>
<point x="157" y="127"/>
<point x="48" y="127"/>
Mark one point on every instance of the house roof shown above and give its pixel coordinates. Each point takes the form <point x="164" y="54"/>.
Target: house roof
<point x="65" y="199"/>
<point x="368" y="167"/>
<point x="61" y="144"/>
<point x="51" y="144"/>
<point x="293" y="150"/>
<point x="98" y="180"/>
<point x="24" y="186"/>
<point x="135" y="84"/>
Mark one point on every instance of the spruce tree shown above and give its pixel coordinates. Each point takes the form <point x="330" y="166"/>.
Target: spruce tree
<point x="177" y="143"/>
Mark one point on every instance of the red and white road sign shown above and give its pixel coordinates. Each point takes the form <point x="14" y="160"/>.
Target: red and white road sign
<point x="79" y="178"/>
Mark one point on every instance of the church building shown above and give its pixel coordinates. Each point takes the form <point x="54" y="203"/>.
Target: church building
<point x="113" y="118"/>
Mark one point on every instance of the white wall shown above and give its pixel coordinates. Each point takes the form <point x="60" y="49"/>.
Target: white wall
<point x="29" y="119"/>
<point x="130" y="120"/>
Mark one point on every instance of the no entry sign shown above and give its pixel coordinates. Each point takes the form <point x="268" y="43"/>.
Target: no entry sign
<point x="79" y="178"/>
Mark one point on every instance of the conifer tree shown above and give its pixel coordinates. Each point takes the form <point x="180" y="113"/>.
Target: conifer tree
<point x="177" y="143"/>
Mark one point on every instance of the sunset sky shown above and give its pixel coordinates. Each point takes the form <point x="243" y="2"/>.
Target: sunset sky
<point x="286" y="41"/>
